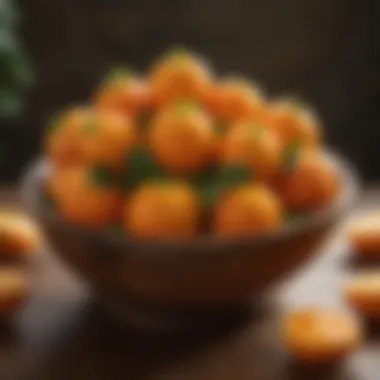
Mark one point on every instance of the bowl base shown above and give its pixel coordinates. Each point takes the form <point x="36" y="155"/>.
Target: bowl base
<point x="149" y="318"/>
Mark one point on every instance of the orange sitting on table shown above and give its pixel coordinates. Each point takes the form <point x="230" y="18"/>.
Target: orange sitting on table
<point x="18" y="235"/>
<point x="320" y="336"/>
<point x="363" y="293"/>
<point x="14" y="289"/>
<point x="363" y="233"/>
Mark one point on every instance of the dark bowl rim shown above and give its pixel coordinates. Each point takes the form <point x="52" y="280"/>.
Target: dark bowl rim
<point x="31" y="189"/>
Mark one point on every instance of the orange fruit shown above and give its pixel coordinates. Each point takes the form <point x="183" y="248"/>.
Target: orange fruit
<point x="319" y="336"/>
<point x="234" y="99"/>
<point x="294" y="122"/>
<point x="65" y="142"/>
<point x="123" y="92"/>
<point x="84" y="197"/>
<point x="363" y="293"/>
<point x="177" y="76"/>
<point x="162" y="210"/>
<point x="363" y="233"/>
<point x="14" y="289"/>
<point x="111" y="139"/>
<point x="313" y="182"/>
<point x="180" y="137"/>
<point x="250" y="209"/>
<point x="18" y="236"/>
<point x="254" y="146"/>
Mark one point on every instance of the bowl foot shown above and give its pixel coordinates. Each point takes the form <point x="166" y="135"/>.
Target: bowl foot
<point x="149" y="318"/>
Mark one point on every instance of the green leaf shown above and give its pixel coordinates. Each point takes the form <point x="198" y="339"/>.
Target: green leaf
<point x="10" y="104"/>
<point x="54" y="122"/>
<point x="47" y="200"/>
<point x="141" y="167"/>
<point x="116" y="75"/>
<point x="256" y="131"/>
<point x="143" y="120"/>
<point x="116" y="229"/>
<point x="290" y="156"/>
<point x="293" y="217"/>
<point x="101" y="176"/>
<point x="177" y="52"/>
<point x="222" y="180"/>
<point x="90" y="127"/>
<point x="185" y="107"/>
<point x="233" y="174"/>
<point x="8" y="13"/>
<point x="221" y="127"/>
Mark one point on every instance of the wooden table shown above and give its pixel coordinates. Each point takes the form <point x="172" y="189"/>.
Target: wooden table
<point x="62" y="334"/>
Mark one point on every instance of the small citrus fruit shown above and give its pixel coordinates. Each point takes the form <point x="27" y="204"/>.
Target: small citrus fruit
<point x="112" y="137"/>
<point x="180" y="137"/>
<point x="18" y="236"/>
<point x="162" y="210"/>
<point x="363" y="293"/>
<point x="124" y="92"/>
<point x="294" y="122"/>
<point x="312" y="183"/>
<point x="319" y="336"/>
<point x="84" y="197"/>
<point x="177" y="76"/>
<point x="247" y="210"/>
<point x="254" y="146"/>
<point x="14" y="289"/>
<point x="65" y="140"/>
<point x="235" y="99"/>
<point x="363" y="233"/>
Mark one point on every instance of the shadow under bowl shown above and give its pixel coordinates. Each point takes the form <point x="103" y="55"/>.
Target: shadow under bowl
<point x="203" y="273"/>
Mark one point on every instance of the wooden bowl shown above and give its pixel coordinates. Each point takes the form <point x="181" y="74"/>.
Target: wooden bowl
<point x="206" y="272"/>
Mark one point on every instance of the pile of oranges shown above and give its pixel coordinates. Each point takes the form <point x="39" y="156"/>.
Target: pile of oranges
<point x="182" y="152"/>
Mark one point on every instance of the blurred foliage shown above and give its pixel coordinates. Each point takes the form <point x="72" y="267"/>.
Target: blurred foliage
<point x="15" y="72"/>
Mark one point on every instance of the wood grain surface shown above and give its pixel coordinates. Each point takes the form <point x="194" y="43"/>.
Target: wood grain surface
<point x="62" y="334"/>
